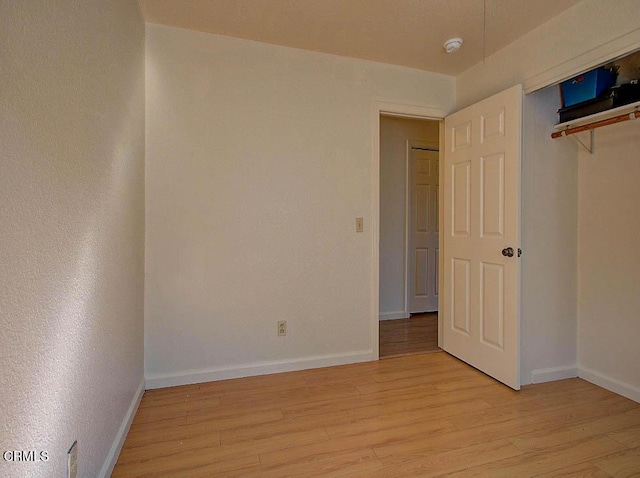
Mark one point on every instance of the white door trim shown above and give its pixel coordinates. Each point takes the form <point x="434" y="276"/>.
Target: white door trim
<point x="403" y="111"/>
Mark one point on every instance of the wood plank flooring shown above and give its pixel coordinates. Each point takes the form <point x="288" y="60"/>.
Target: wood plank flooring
<point x="417" y="334"/>
<point x="414" y="416"/>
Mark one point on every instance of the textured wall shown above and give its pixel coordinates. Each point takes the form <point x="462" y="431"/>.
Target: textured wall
<point x="549" y="241"/>
<point x="394" y="134"/>
<point x="259" y="159"/>
<point x="609" y="259"/>
<point x="71" y="228"/>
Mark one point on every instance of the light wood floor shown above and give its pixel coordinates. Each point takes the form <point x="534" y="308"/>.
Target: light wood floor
<point x="418" y="333"/>
<point x="414" y="416"/>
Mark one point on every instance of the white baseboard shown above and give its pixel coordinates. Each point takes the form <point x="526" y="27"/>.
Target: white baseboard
<point x="247" y="370"/>
<point x="614" y="385"/>
<point x="114" y="452"/>
<point x="551" y="374"/>
<point x="400" y="314"/>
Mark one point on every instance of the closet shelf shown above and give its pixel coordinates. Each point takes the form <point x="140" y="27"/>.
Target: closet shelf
<point x="597" y="120"/>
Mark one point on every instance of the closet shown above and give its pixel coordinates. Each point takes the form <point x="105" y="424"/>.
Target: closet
<point x="580" y="290"/>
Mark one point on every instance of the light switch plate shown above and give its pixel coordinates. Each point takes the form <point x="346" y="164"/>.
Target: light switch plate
<point x="359" y="224"/>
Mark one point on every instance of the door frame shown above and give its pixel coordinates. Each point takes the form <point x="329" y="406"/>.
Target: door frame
<point x="407" y="205"/>
<point x="401" y="111"/>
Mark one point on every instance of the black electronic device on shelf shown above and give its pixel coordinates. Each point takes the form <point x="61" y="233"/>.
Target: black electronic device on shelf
<point x="612" y="98"/>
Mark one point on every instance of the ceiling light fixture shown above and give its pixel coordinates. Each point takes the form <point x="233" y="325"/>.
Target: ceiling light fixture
<point x="452" y="45"/>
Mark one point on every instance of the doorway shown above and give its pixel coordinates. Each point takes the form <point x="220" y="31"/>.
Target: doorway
<point x="408" y="252"/>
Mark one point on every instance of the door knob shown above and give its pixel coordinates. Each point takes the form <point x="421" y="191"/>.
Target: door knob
<point x="507" y="252"/>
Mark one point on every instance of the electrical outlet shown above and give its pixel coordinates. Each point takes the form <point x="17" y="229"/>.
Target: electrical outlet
<point x="72" y="461"/>
<point x="359" y="224"/>
<point x="282" y="328"/>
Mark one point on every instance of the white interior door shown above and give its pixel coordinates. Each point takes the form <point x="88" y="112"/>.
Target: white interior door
<point x="423" y="230"/>
<point x="481" y="268"/>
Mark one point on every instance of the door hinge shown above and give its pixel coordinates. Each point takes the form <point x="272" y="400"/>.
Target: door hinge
<point x="519" y="252"/>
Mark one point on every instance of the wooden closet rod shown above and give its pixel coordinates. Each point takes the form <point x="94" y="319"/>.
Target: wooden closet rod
<point x="597" y="124"/>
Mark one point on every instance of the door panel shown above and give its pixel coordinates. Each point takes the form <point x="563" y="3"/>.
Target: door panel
<point x="461" y="135"/>
<point x="492" y="311"/>
<point x="462" y="198"/>
<point x="461" y="295"/>
<point x="422" y="208"/>
<point x="481" y="170"/>
<point x="492" y="196"/>
<point x="422" y="272"/>
<point x="492" y="125"/>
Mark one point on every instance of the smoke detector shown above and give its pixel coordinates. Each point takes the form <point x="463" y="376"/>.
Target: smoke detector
<point x="452" y="45"/>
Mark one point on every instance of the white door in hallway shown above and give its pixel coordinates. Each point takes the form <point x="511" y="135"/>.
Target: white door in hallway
<point x="481" y="210"/>
<point x="423" y="230"/>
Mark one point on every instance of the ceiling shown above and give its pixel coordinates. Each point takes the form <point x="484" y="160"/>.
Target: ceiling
<point x="401" y="32"/>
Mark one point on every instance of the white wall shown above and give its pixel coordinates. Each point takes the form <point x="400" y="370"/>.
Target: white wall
<point x="71" y="229"/>
<point x="609" y="260"/>
<point x="549" y="242"/>
<point x="394" y="134"/>
<point x="259" y="159"/>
